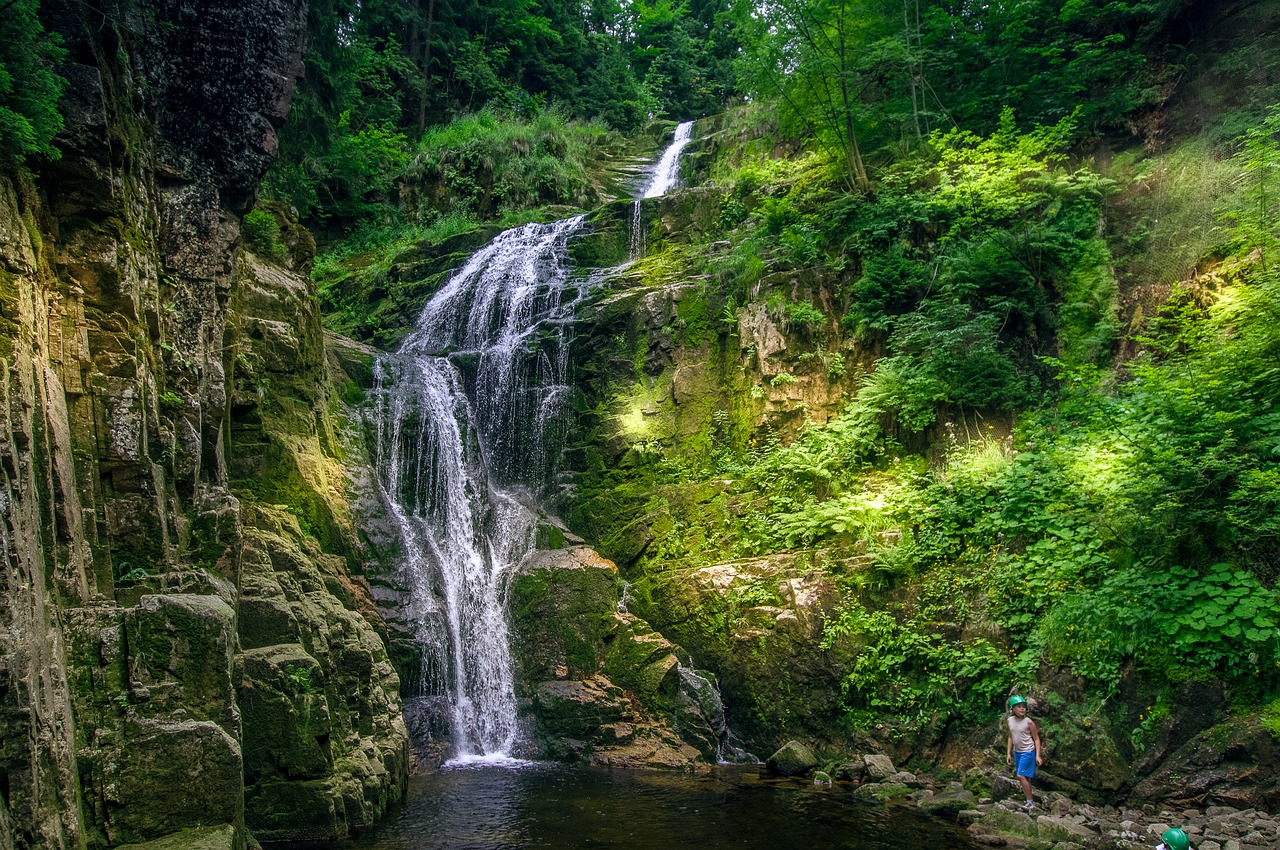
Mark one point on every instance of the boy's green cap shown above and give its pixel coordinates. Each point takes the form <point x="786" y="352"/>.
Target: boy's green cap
<point x="1175" y="839"/>
<point x="1016" y="700"/>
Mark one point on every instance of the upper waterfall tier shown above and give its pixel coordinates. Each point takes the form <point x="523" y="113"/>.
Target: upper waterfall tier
<point x="668" y="170"/>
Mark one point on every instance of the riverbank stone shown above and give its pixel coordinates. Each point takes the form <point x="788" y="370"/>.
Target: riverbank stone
<point x="879" y="766"/>
<point x="793" y="759"/>
<point x="1051" y="828"/>
<point x="881" y="791"/>
<point x="950" y="803"/>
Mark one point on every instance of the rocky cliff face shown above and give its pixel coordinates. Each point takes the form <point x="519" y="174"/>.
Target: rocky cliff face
<point x="166" y="625"/>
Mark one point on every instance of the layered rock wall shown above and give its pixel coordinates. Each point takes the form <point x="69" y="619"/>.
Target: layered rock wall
<point x="164" y="631"/>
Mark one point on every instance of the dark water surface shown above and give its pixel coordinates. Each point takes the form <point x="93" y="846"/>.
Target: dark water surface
<point x="546" y="805"/>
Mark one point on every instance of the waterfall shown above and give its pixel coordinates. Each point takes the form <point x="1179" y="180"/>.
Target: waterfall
<point x="664" y="178"/>
<point x="470" y="414"/>
<point x="471" y="410"/>
<point x="668" y="170"/>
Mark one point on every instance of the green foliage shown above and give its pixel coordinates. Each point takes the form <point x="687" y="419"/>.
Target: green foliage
<point x="262" y="232"/>
<point x="911" y="671"/>
<point x="170" y="402"/>
<point x="125" y="573"/>
<point x="490" y="163"/>
<point x="1271" y="718"/>
<point x="301" y="678"/>
<point x="802" y="314"/>
<point x="1258" y="218"/>
<point x="29" y="86"/>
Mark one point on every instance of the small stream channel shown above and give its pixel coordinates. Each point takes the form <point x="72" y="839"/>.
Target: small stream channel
<point x="575" y="808"/>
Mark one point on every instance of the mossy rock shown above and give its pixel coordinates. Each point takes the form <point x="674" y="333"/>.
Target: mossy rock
<point x="793" y="759"/>
<point x="561" y="614"/>
<point x="1000" y="820"/>
<point x="179" y="775"/>
<point x="949" y="803"/>
<point x="180" y="649"/>
<point x="286" y="715"/>
<point x="295" y="811"/>
<point x="207" y="838"/>
<point x="881" y="791"/>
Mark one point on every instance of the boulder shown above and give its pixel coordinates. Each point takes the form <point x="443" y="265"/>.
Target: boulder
<point x="852" y="771"/>
<point x="1051" y="828"/>
<point x="880" y="791"/>
<point x="1001" y="820"/>
<point x="1004" y="787"/>
<point x="948" y="802"/>
<point x="793" y="759"/>
<point x="879" y="766"/>
<point x="205" y="838"/>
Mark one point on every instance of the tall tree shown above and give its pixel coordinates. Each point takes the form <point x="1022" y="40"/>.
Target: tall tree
<point x="29" y="87"/>
<point x="829" y="62"/>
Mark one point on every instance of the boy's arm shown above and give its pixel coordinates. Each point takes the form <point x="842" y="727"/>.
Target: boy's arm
<point x="1008" y="749"/>
<point x="1035" y="736"/>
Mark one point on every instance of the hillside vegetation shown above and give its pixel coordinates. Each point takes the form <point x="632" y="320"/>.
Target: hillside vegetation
<point x="1023" y="425"/>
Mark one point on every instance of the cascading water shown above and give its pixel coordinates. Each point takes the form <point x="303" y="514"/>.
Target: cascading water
<point x="470" y="405"/>
<point x="668" y="170"/>
<point x="470" y="415"/>
<point x="665" y="175"/>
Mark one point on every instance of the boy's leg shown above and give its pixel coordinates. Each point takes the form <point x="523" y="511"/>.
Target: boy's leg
<point x="1025" y="769"/>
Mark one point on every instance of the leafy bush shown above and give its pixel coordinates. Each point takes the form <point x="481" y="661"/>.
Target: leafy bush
<point x="490" y="163"/>
<point x="802" y="314"/>
<point x="262" y="232"/>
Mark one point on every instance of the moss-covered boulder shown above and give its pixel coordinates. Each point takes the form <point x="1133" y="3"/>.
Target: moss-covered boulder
<point x="601" y="684"/>
<point x="881" y="791"/>
<point x="792" y="759"/>
<point x="204" y="838"/>
<point x="180" y="651"/>
<point x="178" y="775"/>
<point x="949" y="803"/>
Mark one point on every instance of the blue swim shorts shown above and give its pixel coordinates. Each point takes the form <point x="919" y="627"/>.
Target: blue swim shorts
<point x="1025" y="764"/>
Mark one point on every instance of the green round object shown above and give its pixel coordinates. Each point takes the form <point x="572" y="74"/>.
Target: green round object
<point x="1176" y="839"/>
<point x="1016" y="700"/>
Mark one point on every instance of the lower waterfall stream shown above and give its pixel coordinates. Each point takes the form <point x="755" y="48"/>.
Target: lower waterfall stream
<point x="468" y="407"/>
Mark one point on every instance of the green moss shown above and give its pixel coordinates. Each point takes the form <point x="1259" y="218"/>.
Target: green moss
<point x="563" y="616"/>
<point x="881" y="791"/>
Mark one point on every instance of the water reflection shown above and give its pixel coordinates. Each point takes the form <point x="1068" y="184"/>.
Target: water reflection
<point x="552" y="806"/>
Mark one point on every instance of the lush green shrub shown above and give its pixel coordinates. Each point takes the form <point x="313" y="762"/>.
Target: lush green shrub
<point x="491" y="163"/>
<point x="262" y="232"/>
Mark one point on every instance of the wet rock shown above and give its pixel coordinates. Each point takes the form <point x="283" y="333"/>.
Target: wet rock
<point x="948" y="802"/>
<point x="1051" y="828"/>
<point x="881" y="791"/>
<point x="792" y="759"/>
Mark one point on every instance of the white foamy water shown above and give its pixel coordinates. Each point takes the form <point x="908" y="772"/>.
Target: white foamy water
<point x="668" y="170"/>
<point x="470" y="419"/>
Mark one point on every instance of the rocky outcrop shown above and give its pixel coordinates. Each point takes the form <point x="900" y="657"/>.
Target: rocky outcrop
<point x="139" y="654"/>
<point x="600" y="685"/>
